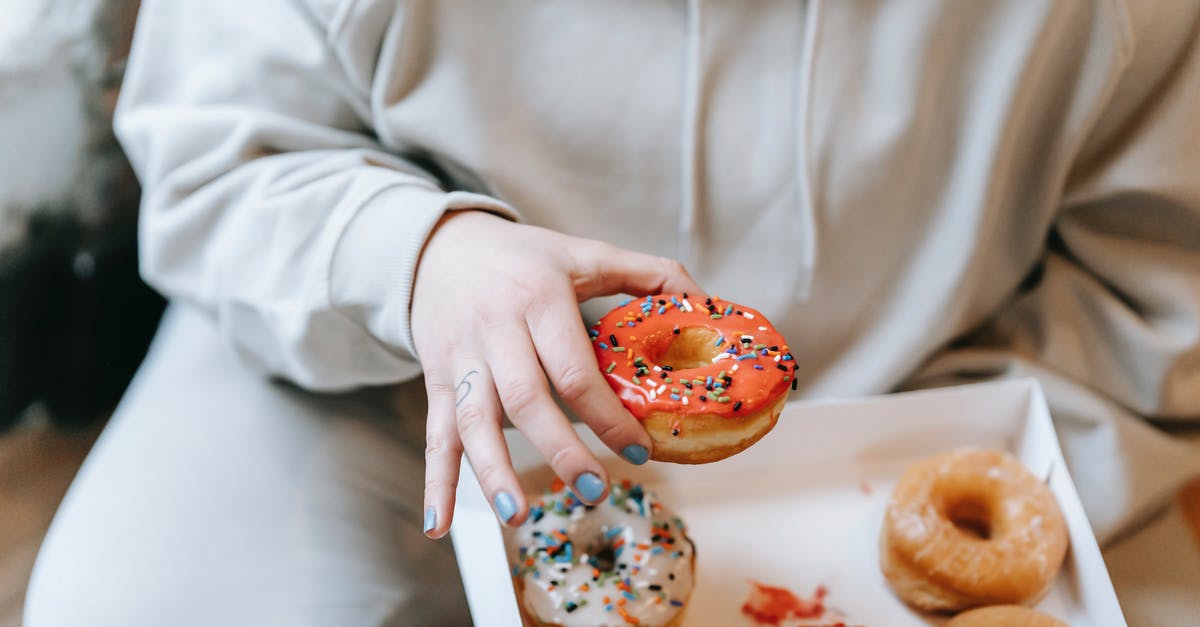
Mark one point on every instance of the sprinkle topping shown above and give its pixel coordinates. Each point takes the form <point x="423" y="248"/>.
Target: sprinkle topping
<point x="624" y="561"/>
<point x="749" y="367"/>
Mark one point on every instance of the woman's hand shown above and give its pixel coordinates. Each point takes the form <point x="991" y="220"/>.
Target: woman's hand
<point x="495" y="314"/>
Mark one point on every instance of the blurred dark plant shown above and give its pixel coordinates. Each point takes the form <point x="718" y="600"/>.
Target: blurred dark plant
<point x="75" y="320"/>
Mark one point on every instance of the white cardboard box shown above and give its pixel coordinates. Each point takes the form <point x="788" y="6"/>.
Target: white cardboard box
<point x="803" y="507"/>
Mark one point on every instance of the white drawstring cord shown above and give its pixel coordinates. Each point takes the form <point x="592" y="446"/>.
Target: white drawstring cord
<point x="805" y="208"/>
<point x="690" y="157"/>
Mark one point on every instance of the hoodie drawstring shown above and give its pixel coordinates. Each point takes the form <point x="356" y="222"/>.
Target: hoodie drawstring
<point x="801" y="110"/>
<point x="690" y="153"/>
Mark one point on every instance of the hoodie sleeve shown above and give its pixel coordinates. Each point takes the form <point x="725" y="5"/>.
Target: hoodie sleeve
<point x="1110" y="324"/>
<point x="267" y="200"/>
<point x="1117" y="305"/>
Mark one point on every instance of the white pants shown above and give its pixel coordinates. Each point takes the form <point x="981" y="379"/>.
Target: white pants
<point x="217" y="498"/>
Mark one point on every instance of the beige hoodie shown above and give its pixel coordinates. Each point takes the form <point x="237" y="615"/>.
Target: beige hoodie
<point x="1019" y="181"/>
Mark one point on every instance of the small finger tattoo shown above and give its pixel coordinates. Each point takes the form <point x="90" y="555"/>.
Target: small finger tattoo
<point x="463" y="388"/>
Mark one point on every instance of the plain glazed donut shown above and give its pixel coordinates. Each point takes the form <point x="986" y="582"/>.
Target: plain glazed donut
<point x="971" y="527"/>
<point x="627" y="560"/>
<point x="1004" y="616"/>
<point x="706" y="379"/>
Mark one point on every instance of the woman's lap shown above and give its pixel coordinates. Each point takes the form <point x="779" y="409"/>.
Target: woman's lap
<point x="216" y="497"/>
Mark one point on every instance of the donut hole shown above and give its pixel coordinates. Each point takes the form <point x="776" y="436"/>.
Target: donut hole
<point x="692" y="347"/>
<point x="601" y="552"/>
<point x="605" y="558"/>
<point x="972" y="517"/>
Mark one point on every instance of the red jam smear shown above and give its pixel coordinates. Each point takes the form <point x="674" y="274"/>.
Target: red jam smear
<point x="770" y="605"/>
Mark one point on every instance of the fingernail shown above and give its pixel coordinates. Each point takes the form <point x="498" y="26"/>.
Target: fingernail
<point x="506" y="507"/>
<point x="430" y="519"/>
<point x="636" y="454"/>
<point x="589" y="487"/>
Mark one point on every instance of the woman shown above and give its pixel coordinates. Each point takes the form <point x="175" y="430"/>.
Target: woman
<point x="355" y="191"/>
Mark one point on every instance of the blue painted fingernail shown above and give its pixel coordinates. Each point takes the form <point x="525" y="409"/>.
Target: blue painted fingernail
<point x="506" y="507"/>
<point x="430" y="519"/>
<point x="636" y="454"/>
<point x="589" y="487"/>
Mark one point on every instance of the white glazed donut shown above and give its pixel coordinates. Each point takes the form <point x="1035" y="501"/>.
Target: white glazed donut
<point x="624" y="561"/>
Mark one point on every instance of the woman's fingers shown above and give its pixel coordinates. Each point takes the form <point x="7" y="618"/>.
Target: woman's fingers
<point x="600" y="269"/>
<point x="526" y="398"/>
<point x="570" y="364"/>
<point x="480" y="277"/>
<point x="479" y="425"/>
<point x="443" y="456"/>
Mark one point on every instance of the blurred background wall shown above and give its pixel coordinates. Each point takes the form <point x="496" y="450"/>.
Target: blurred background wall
<point x="75" y="319"/>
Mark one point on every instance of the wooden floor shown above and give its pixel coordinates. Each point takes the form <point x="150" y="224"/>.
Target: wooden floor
<point x="37" y="463"/>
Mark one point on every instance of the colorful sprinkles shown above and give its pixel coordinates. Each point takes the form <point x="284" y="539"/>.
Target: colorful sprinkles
<point x="623" y="561"/>
<point x="752" y="361"/>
